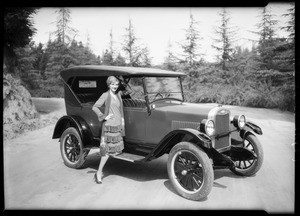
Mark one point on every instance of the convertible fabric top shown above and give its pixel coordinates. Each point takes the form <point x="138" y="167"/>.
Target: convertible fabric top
<point x="103" y="70"/>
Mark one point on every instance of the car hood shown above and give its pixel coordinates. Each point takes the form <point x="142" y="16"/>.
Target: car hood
<point x="175" y="110"/>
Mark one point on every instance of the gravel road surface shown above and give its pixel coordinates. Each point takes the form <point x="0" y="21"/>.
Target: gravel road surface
<point x="35" y="176"/>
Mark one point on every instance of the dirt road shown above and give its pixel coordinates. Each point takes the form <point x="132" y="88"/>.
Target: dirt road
<point x="36" y="178"/>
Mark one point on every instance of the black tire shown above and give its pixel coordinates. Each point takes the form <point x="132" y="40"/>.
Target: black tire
<point x="250" y="167"/>
<point x="71" y="148"/>
<point x="190" y="171"/>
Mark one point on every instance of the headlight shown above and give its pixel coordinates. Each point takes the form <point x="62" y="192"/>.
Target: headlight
<point x="208" y="127"/>
<point x="239" y="121"/>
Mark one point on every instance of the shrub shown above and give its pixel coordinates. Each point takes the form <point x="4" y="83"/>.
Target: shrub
<point x="263" y="89"/>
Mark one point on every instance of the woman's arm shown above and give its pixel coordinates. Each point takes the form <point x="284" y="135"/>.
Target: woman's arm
<point x="99" y="103"/>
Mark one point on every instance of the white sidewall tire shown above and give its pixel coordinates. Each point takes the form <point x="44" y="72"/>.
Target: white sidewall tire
<point x="203" y="159"/>
<point x="78" y="163"/>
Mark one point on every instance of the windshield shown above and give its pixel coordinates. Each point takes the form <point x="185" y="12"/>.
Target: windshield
<point x="163" y="87"/>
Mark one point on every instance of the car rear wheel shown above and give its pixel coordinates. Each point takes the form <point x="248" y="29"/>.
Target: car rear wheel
<point x="250" y="167"/>
<point x="190" y="171"/>
<point x="71" y="148"/>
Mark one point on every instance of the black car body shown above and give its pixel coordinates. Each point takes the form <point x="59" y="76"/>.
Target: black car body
<point x="197" y="137"/>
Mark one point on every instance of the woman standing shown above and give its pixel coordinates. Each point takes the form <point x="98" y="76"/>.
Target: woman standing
<point x="113" y="124"/>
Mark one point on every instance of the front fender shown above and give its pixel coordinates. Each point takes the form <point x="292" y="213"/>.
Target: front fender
<point x="176" y="136"/>
<point x="73" y="121"/>
<point x="250" y="126"/>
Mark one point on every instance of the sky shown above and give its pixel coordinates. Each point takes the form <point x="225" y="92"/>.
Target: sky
<point x="156" y="27"/>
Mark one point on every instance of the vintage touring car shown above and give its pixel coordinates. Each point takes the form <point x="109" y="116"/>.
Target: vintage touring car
<point x="198" y="138"/>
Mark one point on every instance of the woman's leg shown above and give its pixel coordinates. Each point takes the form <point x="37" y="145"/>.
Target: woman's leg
<point x="101" y="165"/>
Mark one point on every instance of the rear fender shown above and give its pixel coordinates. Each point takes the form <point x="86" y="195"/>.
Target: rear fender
<point x="76" y="122"/>
<point x="176" y="136"/>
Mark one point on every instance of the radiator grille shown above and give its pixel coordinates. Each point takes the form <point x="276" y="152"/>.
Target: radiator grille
<point x="222" y="126"/>
<point x="222" y="123"/>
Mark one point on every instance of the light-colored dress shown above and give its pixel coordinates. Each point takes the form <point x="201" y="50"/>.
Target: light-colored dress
<point x="113" y="127"/>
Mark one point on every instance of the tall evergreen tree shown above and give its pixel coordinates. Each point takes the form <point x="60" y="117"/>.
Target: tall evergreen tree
<point x="290" y="27"/>
<point x="285" y="48"/>
<point x="107" y="58"/>
<point x="81" y="55"/>
<point x="136" y="54"/>
<point x="120" y="60"/>
<point x="145" y="59"/>
<point x="191" y="45"/>
<point x="58" y="52"/>
<point x="170" y="60"/>
<point x="24" y="66"/>
<point x="129" y="45"/>
<point x="64" y="31"/>
<point x="224" y="41"/>
<point x="18" y="30"/>
<point x="88" y="41"/>
<point x="111" y="44"/>
<point x="55" y="52"/>
<point x="267" y="41"/>
<point x="38" y="55"/>
<point x="108" y="55"/>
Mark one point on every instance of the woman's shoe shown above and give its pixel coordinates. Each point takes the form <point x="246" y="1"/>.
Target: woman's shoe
<point x="97" y="180"/>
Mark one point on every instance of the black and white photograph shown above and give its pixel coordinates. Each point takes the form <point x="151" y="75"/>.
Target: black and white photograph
<point x="149" y="108"/>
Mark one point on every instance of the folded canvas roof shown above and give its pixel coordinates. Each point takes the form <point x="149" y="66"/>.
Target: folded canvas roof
<point x="103" y="70"/>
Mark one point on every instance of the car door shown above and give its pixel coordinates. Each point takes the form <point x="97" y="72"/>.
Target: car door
<point x="135" y="127"/>
<point x="135" y="113"/>
<point x="157" y="127"/>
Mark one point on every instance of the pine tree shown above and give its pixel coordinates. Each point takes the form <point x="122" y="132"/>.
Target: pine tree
<point x="24" y="67"/>
<point x="285" y="49"/>
<point x="224" y="40"/>
<point x="18" y="30"/>
<point x="38" y="54"/>
<point x="81" y="55"/>
<point x="55" y="52"/>
<point x="107" y="58"/>
<point x="137" y="55"/>
<point x="191" y="45"/>
<point x="111" y="44"/>
<point x="64" y="32"/>
<point x="108" y="55"/>
<point x="267" y="41"/>
<point x="87" y="44"/>
<point x="170" y="60"/>
<point x="129" y="45"/>
<point x="145" y="59"/>
<point x="290" y="27"/>
<point x="120" y="60"/>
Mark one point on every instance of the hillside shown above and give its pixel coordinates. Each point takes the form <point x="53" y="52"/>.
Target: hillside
<point x="19" y="112"/>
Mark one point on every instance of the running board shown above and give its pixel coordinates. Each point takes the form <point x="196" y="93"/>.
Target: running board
<point x="128" y="157"/>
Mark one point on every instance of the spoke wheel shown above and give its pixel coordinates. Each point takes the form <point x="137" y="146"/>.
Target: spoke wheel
<point x="250" y="167"/>
<point x="71" y="148"/>
<point x="190" y="171"/>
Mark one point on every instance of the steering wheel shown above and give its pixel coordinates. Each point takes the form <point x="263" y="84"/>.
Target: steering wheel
<point x="158" y="94"/>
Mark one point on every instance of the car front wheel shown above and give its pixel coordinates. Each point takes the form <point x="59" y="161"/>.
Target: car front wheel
<point x="71" y="148"/>
<point x="250" y="167"/>
<point x="190" y="171"/>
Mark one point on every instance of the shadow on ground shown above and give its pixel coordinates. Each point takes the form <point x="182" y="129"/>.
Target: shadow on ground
<point x="153" y="170"/>
<point x="148" y="171"/>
